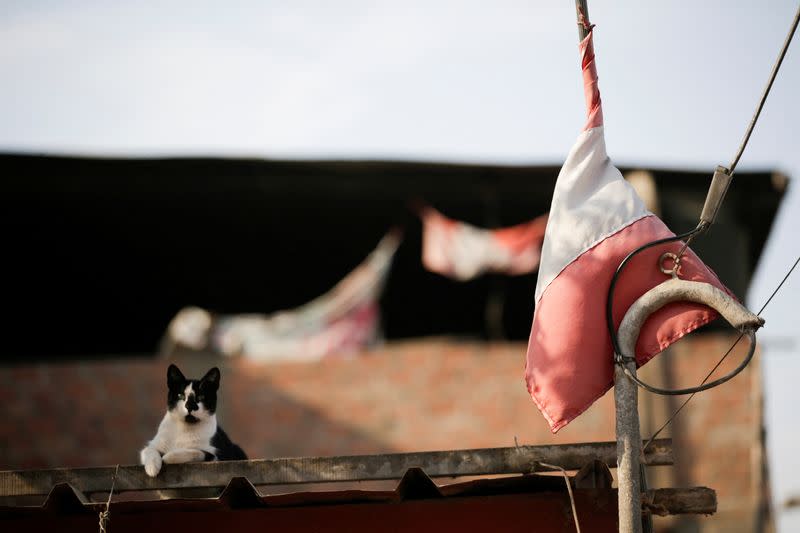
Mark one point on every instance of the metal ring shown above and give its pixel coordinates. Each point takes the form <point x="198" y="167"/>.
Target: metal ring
<point x="676" y="264"/>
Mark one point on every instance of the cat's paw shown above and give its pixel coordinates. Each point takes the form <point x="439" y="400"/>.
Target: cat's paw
<point x="151" y="460"/>
<point x="153" y="467"/>
<point x="184" y="455"/>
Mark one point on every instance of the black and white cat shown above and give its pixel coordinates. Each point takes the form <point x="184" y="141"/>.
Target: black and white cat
<point x="189" y="431"/>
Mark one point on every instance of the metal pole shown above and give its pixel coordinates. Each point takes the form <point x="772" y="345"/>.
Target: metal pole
<point x="629" y="449"/>
<point x="581" y="7"/>
<point x="626" y="398"/>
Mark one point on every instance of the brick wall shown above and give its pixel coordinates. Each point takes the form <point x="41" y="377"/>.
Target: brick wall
<point x="416" y="395"/>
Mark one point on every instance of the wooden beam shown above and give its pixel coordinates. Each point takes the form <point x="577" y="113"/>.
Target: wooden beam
<point x="452" y="463"/>
<point x="695" y="500"/>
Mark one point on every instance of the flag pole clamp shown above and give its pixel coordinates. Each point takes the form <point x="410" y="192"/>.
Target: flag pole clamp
<point x="716" y="194"/>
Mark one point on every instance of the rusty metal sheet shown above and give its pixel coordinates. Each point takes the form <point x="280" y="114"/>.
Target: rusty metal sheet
<point x="452" y="463"/>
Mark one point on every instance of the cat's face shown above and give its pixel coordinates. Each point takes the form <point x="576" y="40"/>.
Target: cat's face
<point x="192" y="400"/>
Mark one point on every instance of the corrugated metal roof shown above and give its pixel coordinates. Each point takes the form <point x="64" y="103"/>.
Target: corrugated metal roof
<point x="416" y="504"/>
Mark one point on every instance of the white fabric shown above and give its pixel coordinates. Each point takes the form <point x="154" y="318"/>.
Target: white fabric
<point x="591" y="201"/>
<point x="467" y="251"/>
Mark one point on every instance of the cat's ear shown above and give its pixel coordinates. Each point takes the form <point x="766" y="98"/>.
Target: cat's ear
<point x="174" y="376"/>
<point x="211" y="379"/>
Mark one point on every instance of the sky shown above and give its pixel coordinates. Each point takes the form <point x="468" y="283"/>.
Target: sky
<point x="433" y="80"/>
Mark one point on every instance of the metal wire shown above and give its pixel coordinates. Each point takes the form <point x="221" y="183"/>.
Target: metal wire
<point x="764" y="95"/>
<point x="732" y="167"/>
<point x="699" y="230"/>
<point x="703" y="386"/>
<point x="771" y="296"/>
<point x="569" y="489"/>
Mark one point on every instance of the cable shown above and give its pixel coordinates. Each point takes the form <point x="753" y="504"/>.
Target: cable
<point x="679" y="409"/>
<point x="764" y="95"/>
<point x="771" y="296"/>
<point x="703" y="386"/>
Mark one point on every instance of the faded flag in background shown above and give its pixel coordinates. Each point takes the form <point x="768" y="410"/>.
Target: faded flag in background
<point x="344" y="320"/>
<point x="462" y="251"/>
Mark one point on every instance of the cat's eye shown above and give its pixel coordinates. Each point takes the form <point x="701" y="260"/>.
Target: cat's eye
<point x="199" y="397"/>
<point x="181" y="396"/>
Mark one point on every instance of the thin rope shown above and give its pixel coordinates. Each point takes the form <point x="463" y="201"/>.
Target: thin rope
<point x="764" y="95"/>
<point x="679" y="409"/>
<point x="105" y="515"/>
<point x="569" y="489"/>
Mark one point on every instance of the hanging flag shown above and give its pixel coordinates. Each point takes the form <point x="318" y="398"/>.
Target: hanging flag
<point x="462" y="251"/>
<point x="596" y="219"/>
<point x="344" y="320"/>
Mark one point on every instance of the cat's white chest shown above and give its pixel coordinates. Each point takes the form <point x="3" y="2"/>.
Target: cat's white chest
<point x="174" y="435"/>
<point x="192" y="438"/>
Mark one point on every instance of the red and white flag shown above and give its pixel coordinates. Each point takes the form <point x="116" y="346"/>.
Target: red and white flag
<point x="596" y="219"/>
<point x="462" y="251"/>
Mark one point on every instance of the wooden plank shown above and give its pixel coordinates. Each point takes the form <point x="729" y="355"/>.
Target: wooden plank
<point x="695" y="500"/>
<point x="452" y="463"/>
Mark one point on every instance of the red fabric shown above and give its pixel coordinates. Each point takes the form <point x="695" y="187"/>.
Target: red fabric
<point x="569" y="360"/>
<point x="518" y="238"/>
<point x="594" y="108"/>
